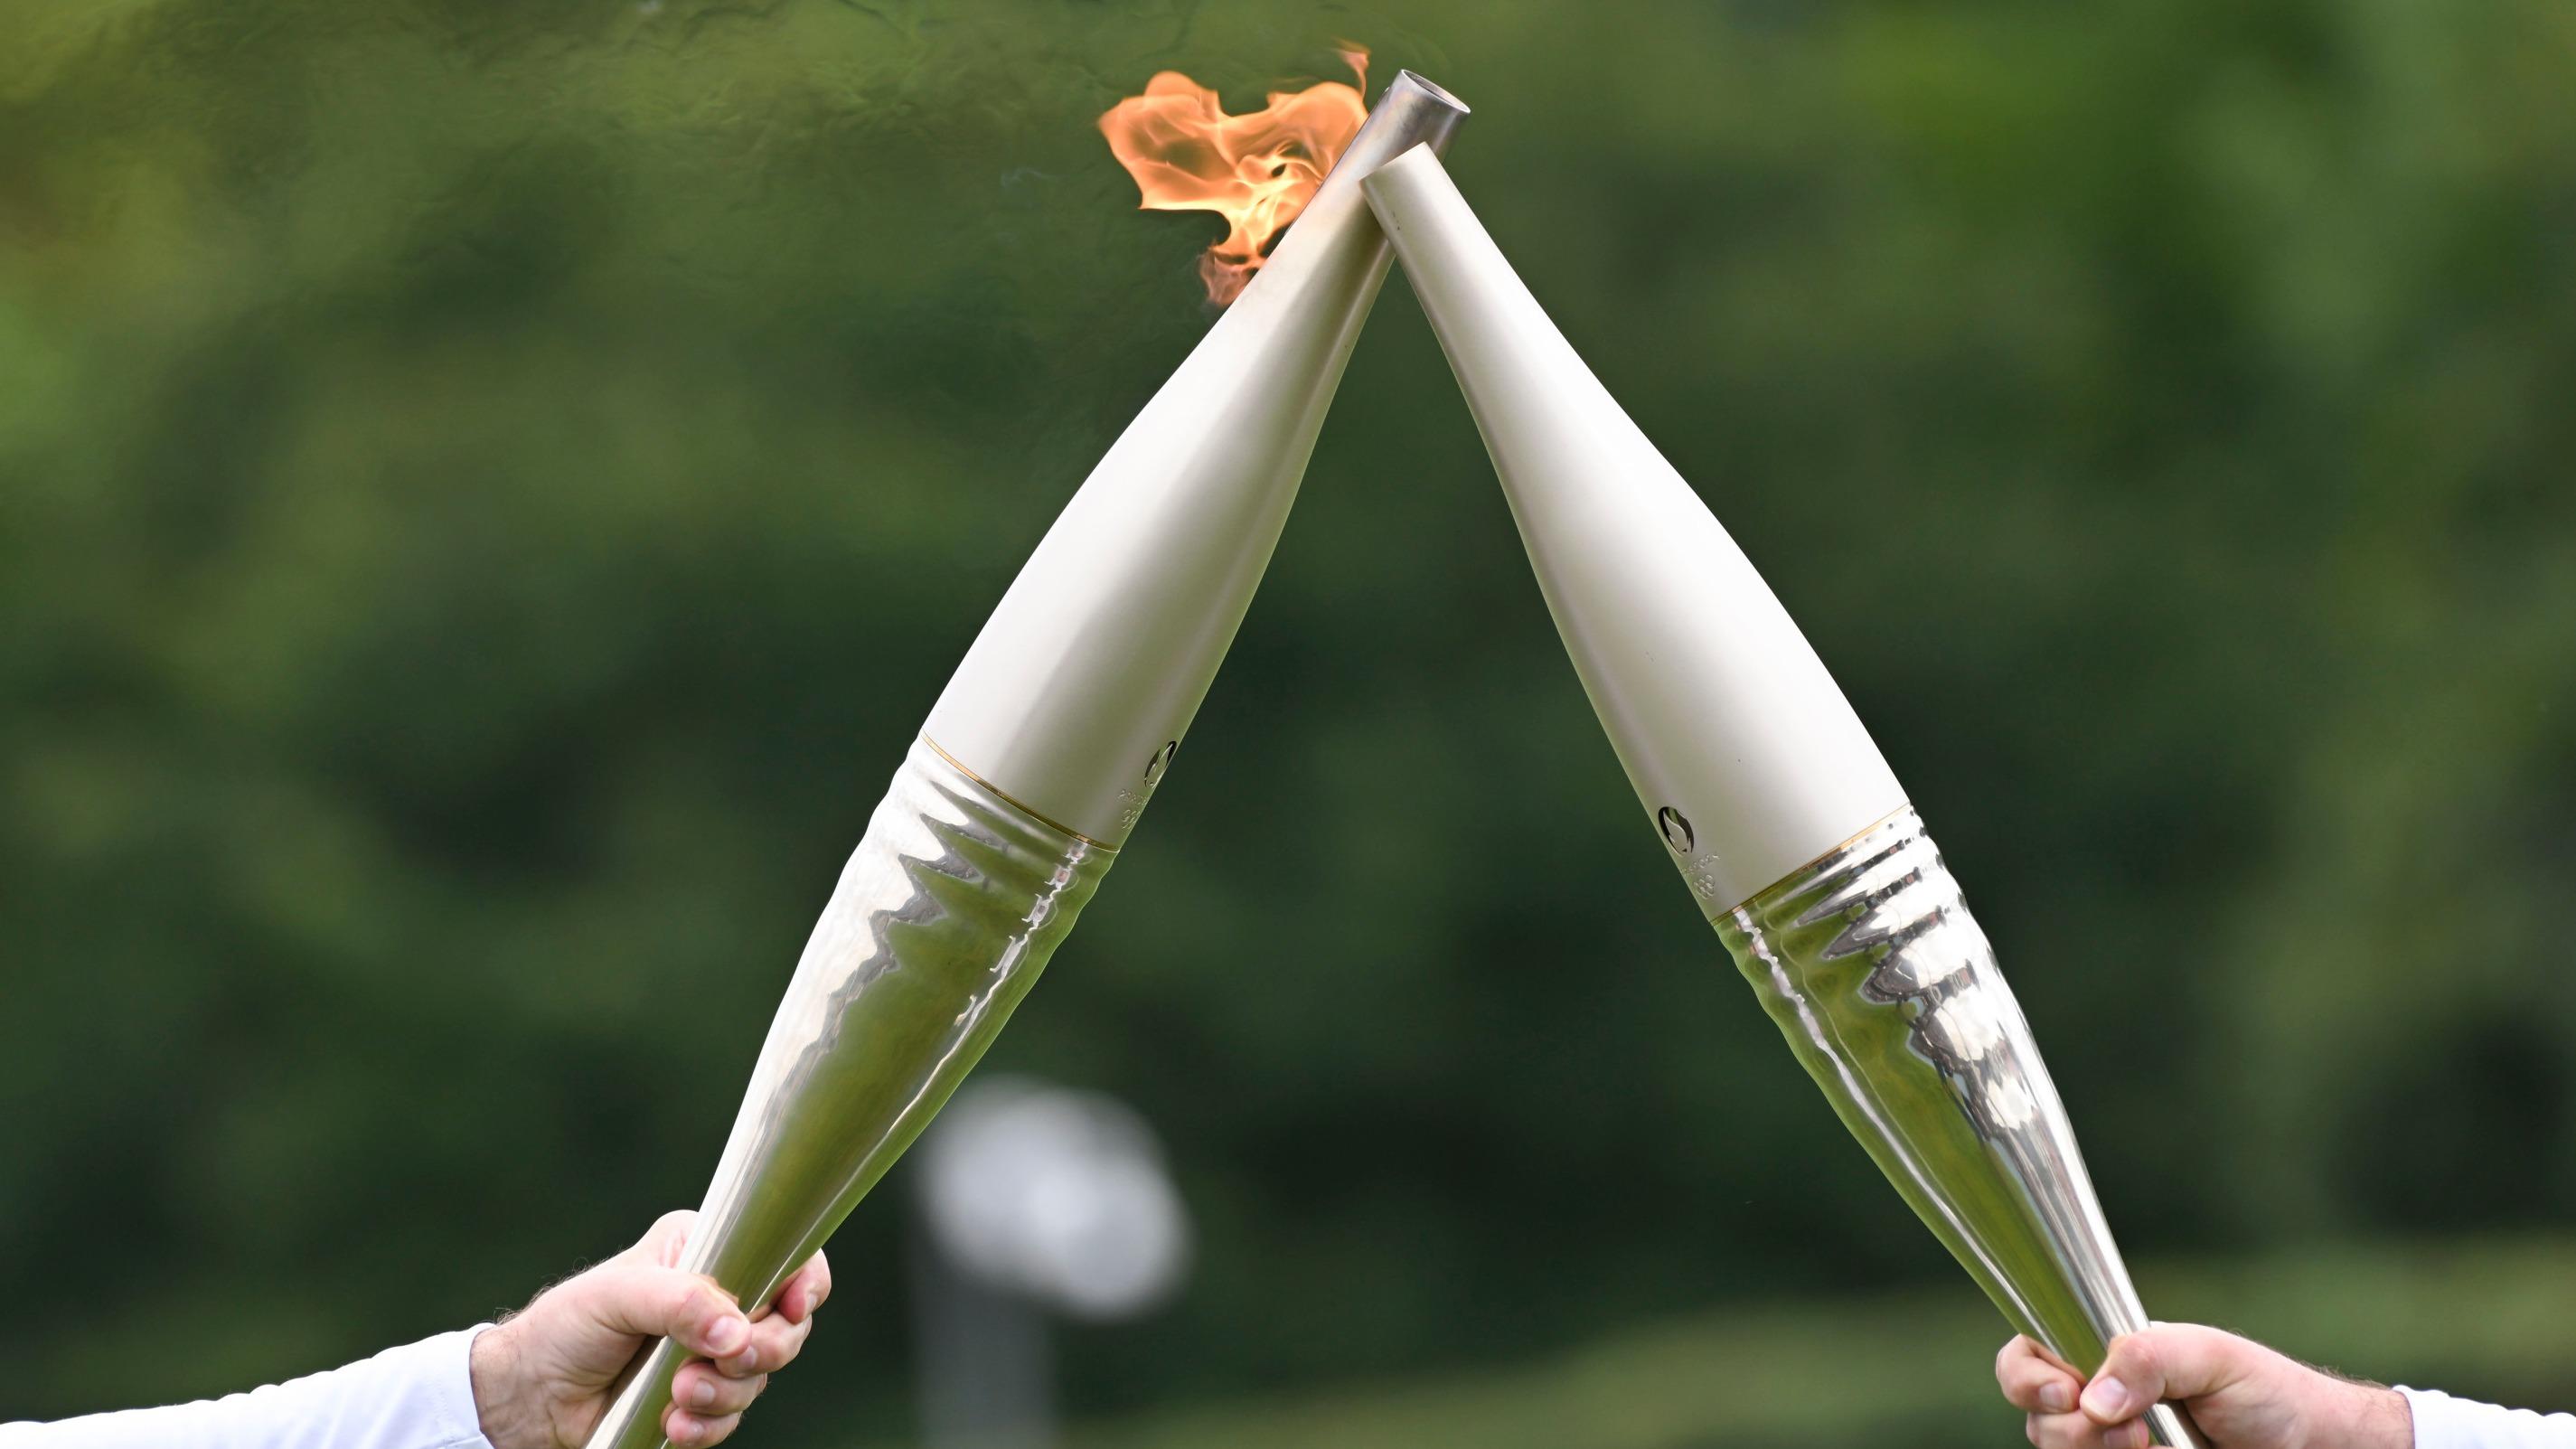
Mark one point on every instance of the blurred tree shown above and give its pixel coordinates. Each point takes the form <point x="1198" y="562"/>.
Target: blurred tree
<point x="486" y="491"/>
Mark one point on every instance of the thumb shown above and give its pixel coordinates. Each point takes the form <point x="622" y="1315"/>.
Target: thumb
<point x="664" y="1242"/>
<point x="647" y="1300"/>
<point x="2167" y="1361"/>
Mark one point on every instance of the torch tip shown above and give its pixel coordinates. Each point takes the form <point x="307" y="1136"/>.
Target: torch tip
<point x="1411" y="80"/>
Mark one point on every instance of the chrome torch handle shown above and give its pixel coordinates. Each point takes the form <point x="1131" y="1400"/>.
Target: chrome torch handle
<point x="941" y="922"/>
<point x="1889" y="994"/>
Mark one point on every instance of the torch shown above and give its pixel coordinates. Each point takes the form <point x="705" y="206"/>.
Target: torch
<point x="1786" y="822"/>
<point x="1039" y="756"/>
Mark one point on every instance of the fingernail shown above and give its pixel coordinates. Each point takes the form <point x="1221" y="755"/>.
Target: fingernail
<point x="689" y="1433"/>
<point x="2131" y="1435"/>
<point x="702" y="1394"/>
<point x="2056" y="1398"/>
<point x="2106" y="1398"/>
<point x="727" y="1334"/>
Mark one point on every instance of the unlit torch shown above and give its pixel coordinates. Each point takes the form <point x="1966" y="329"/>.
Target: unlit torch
<point x="1786" y="822"/>
<point x="1040" y="755"/>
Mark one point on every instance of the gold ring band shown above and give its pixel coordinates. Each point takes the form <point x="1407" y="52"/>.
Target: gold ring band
<point x="1015" y="802"/>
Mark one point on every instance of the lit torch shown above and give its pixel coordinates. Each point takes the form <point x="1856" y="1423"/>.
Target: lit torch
<point x="1038" y="758"/>
<point x="1787" y="824"/>
<point x="1255" y="169"/>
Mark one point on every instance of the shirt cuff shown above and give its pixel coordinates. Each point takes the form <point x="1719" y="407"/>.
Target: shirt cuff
<point x="418" y="1396"/>
<point x="444" y="1368"/>
<point x="2443" y="1422"/>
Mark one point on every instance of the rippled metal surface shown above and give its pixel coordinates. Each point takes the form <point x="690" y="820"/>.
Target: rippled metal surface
<point x="1889" y="994"/>
<point x="942" y="920"/>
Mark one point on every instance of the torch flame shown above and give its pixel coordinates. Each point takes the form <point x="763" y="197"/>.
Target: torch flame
<point x="1256" y="170"/>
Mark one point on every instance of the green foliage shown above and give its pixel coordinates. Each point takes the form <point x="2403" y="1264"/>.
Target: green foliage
<point x="1916" y="1368"/>
<point x="486" y="493"/>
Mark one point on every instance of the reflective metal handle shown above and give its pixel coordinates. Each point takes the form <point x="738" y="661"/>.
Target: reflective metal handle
<point x="1889" y="994"/>
<point x="942" y="920"/>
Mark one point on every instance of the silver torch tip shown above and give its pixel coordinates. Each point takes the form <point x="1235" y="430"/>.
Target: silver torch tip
<point x="1738" y="742"/>
<point x="1073" y="700"/>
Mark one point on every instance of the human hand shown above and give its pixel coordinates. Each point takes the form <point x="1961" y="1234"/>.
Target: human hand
<point x="2240" y="1394"/>
<point x="542" y="1377"/>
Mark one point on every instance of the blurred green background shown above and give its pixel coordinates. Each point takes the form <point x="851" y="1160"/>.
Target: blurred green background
<point x="488" y="490"/>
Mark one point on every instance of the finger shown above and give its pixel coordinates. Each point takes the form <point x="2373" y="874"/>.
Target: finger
<point x="775" y="1342"/>
<point x="2168" y="1361"/>
<point x="702" y="1391"/>
<point x="2023" y="1345"/>
<point x="684" y="1428"/>
<point x="2072" y="1431"/>
<point x="653" y="1302"/>
<point x="2034" y="1383"/>
<point x="2051" y="1357"/>
<point x="806" y="1291"/>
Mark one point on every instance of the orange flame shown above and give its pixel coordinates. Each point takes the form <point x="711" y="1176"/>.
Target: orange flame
<point x="1257" y="170"/>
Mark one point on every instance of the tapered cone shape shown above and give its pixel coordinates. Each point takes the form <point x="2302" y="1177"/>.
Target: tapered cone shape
<point x="1039" y="756"/>
<point x="1784" y="819"/>
<point x="1100" y="653"/>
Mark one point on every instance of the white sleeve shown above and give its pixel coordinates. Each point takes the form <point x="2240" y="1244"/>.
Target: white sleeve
<point x="419" y="1396"/>
<point x="2443" y="1422"/>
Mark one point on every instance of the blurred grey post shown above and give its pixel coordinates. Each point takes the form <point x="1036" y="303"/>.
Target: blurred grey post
<point x="1032" y="1200"/>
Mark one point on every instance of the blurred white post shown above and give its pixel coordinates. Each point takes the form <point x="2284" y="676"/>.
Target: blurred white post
<point x="1033" y="1198"/>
